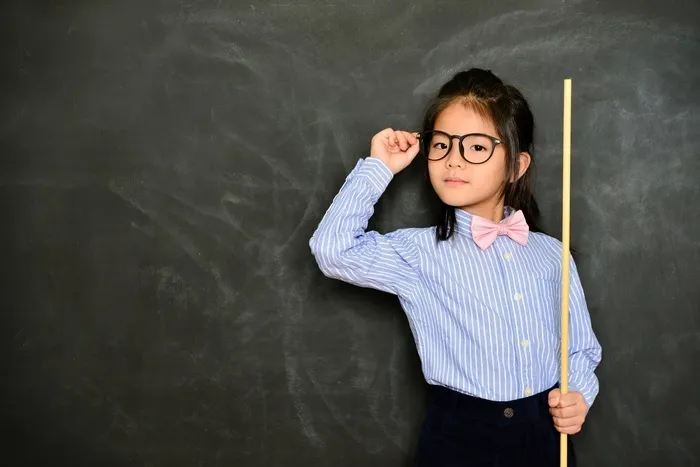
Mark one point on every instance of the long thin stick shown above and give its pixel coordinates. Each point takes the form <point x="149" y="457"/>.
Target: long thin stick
<point x="565" y="216"/>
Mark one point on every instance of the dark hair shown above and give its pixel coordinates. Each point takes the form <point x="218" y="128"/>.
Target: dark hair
<point x="510" y="113"/>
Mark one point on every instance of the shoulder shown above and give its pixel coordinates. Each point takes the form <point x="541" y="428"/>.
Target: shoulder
<point x="546" y="248"/>
<point x="408" y="243"/>
<point x="545" y="242"/>
<point x="415" y="238"/>
<point x="417" y="235"/>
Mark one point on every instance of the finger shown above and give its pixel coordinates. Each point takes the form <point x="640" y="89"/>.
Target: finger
<point x="386" y="132"/>
<point x="565" y="422"/>
<point x="569" y="399"/>
<point x="410" y="137"/>
<point x="559" y="423"/>
<point x="403" y="143"/>
<point x="554" y="396"/>
<point x="389" y="136"/>
<point x="413" y="151"/>
<point x="394" y="141"/>
<point x="565" y="412"/>
<point x="570" y="430"/>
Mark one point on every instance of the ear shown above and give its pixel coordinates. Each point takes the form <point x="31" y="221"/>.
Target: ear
<point x="524" y="160"/>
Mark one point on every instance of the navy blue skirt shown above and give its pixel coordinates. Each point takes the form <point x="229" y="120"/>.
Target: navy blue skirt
<point x="465" y="431"/>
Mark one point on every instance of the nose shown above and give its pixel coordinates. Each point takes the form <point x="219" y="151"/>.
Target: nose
<point x="454" y="158"/>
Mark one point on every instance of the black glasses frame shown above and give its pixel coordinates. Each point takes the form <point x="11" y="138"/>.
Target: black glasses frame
<point x="426" y="136"/>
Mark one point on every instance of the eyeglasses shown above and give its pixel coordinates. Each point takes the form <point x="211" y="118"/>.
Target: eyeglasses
<point x="475" y="148"/>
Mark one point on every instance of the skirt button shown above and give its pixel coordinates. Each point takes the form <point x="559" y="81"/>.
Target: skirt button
<point x="508" y="413"/>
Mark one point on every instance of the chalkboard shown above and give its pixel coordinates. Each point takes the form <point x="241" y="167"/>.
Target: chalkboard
<point x="164" y="164"/>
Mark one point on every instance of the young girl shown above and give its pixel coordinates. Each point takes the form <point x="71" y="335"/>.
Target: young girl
<point x="481" y="289"/>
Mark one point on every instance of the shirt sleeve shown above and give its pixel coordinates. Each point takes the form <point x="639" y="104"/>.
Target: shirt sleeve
<point x="585" y="351"/>
<point x="345" y="251"/>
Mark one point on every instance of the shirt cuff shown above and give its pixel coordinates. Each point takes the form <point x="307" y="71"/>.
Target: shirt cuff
<point x="376" y="173"/>
<point x="589" y="391"/>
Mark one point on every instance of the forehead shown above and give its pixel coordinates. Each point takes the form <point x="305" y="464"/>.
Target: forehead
<point x="458" y="119"/>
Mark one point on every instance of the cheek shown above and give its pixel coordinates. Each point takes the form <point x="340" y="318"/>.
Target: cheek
<point x="434" y="171"/>
<point x="494" y="171"/>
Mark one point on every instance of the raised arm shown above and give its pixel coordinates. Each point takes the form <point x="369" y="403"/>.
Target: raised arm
<point x="340" y="244"/>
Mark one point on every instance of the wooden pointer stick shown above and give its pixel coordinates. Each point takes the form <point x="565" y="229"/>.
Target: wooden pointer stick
<point x="565" y="202"/>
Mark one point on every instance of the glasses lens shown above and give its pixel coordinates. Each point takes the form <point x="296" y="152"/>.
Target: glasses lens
<point x="477" y="149"/>
<point x="435" y="145"/>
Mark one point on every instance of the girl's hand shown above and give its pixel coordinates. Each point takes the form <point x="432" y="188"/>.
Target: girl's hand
<point x="568" y="410"/>
<point x="395" y="148"/>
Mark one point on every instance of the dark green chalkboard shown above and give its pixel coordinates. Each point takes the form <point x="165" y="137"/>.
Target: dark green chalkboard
<point x="164" y="164"/>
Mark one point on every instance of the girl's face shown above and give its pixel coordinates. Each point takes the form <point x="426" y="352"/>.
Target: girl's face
<point x="476" y="188"/>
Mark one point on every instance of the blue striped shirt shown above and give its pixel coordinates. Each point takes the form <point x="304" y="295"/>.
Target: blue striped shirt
<point x="485" y="323"/>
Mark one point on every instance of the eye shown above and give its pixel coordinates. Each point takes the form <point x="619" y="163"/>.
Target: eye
<point x="478" y="148"/>
<point x="440" y="146"/>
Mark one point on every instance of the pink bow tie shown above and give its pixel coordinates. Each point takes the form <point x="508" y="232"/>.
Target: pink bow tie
<point x="485" y="231"/>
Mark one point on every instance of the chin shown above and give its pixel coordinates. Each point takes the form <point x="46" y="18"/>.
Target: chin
<point x="454" y="200"/>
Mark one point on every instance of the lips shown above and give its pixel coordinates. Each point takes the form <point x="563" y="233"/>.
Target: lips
<point x="455" y="181"/>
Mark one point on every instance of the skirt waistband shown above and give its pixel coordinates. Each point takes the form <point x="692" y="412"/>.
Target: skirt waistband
<point x="532" y="408"/>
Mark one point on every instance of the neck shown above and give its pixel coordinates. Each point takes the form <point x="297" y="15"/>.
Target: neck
<point x="492" y="211"/>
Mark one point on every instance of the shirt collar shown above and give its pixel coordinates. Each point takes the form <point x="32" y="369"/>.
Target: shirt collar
<point x="463" y="220"/>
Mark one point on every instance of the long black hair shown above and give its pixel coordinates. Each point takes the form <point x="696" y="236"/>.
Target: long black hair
<point x="510" y="113"/>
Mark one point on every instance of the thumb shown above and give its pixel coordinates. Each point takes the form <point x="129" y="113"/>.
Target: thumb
<point x="554" y="396"/>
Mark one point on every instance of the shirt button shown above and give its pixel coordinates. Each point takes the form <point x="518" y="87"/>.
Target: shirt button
<point x="508" y="256"/>
<point x="528" y="391"/>
<point x="524" y="342"/>
<point x="517" y="297"/>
